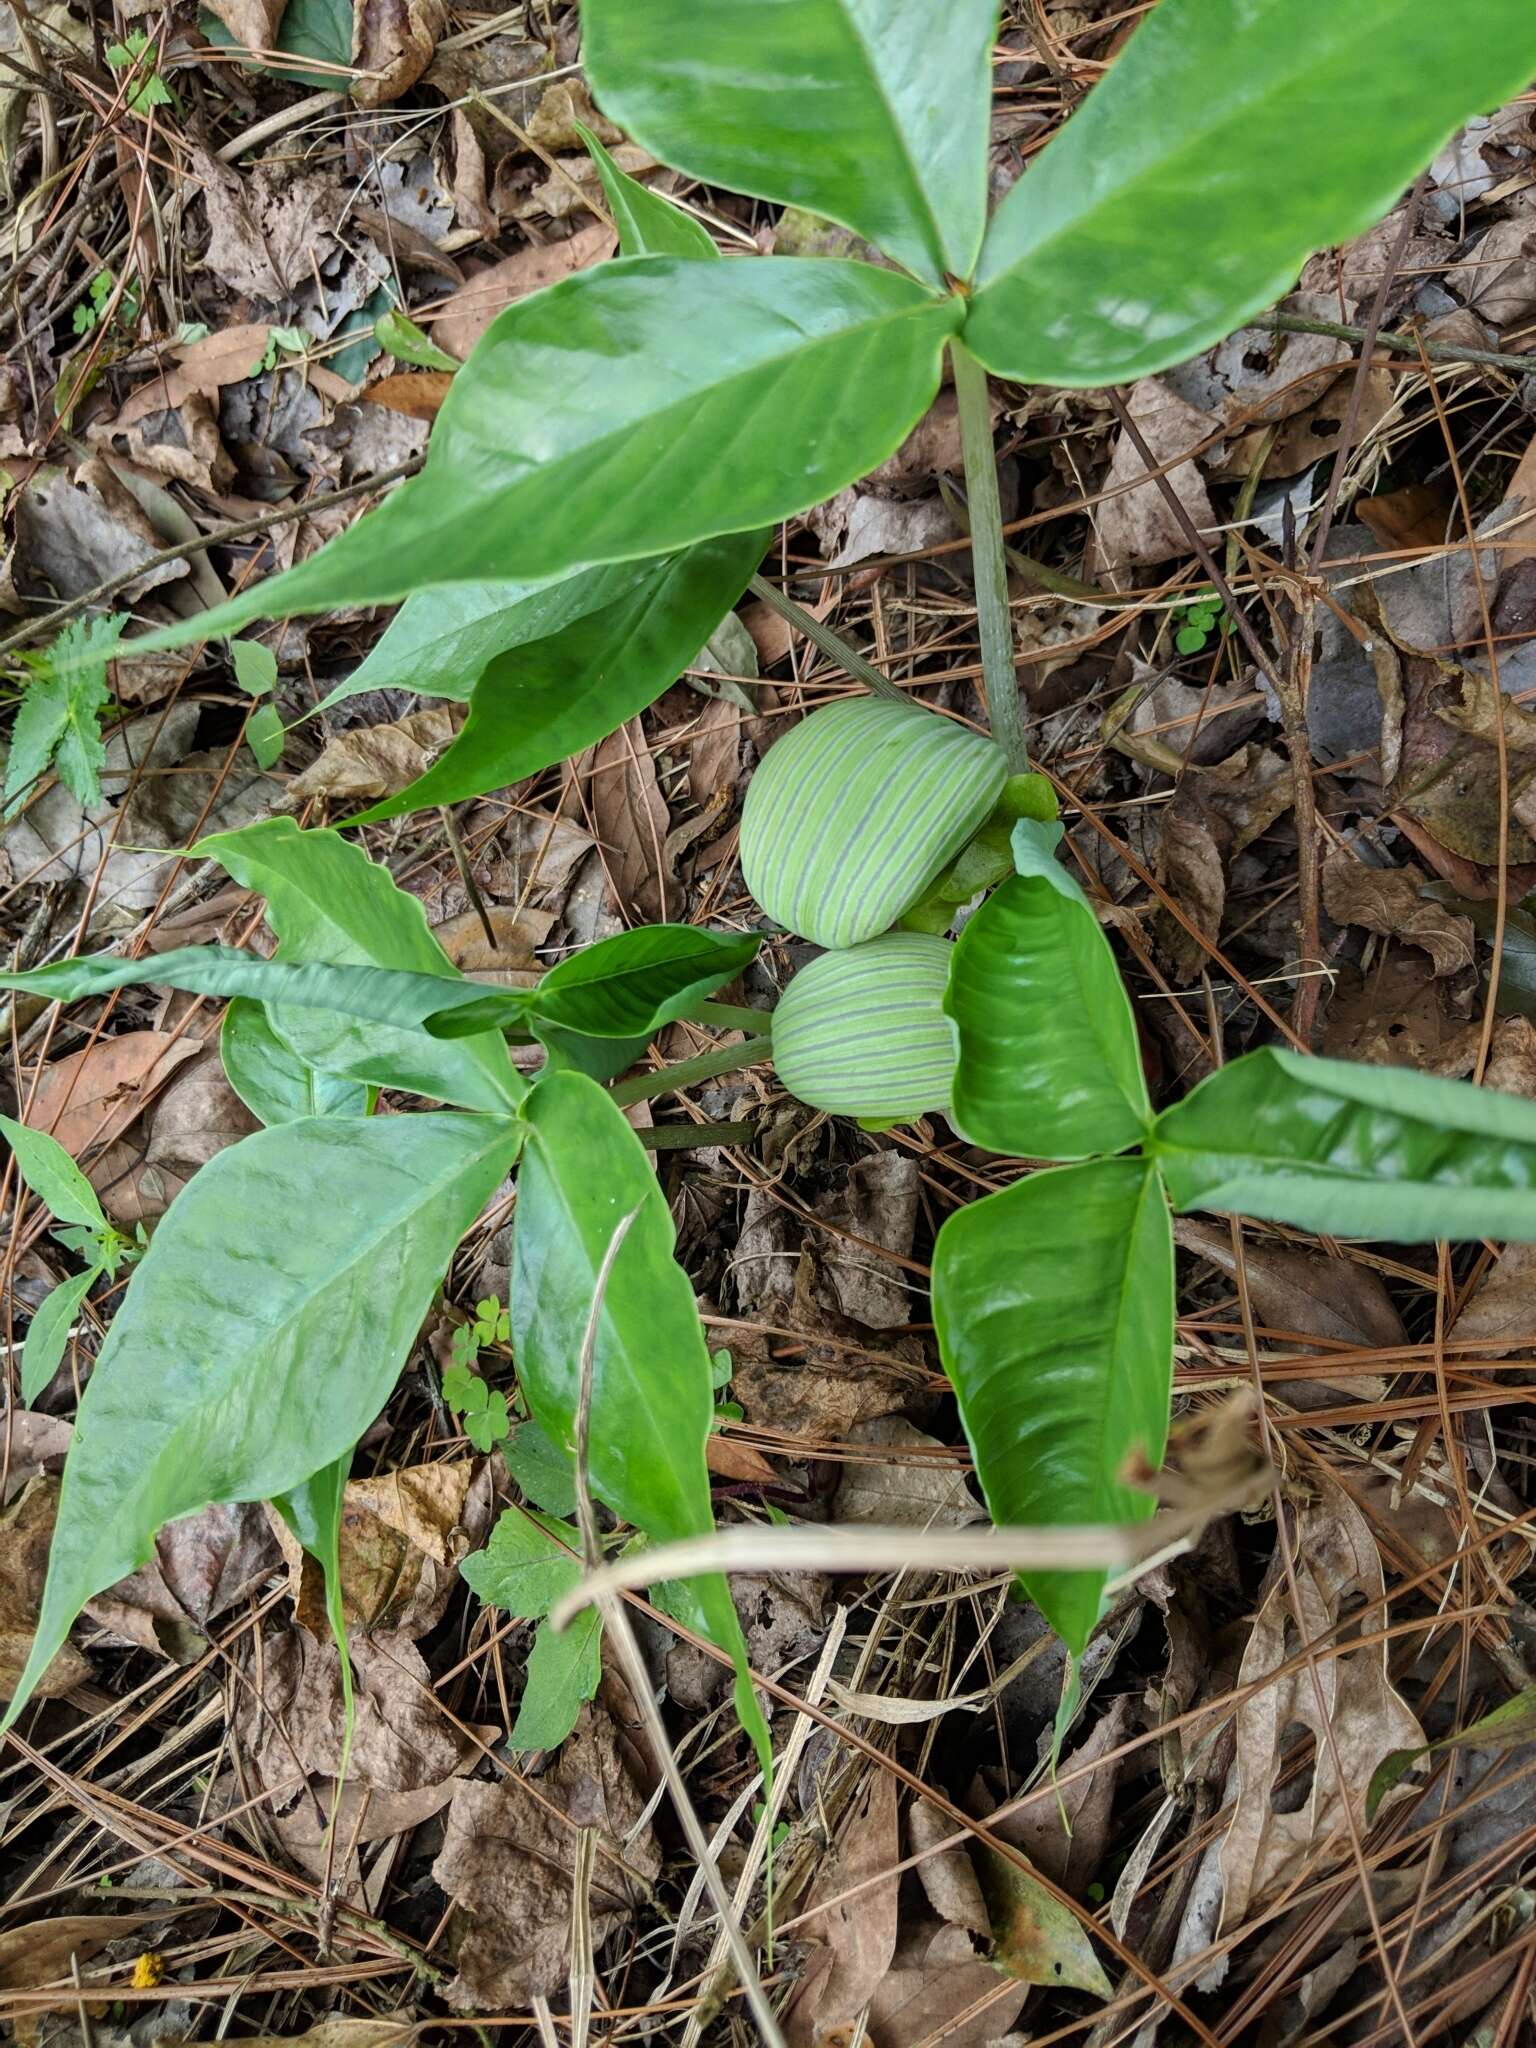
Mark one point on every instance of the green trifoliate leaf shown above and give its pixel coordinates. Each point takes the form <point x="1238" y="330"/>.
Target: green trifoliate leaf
<point x="548" y="697"/>
<point x="52" y="1175"/>
<point x="648" y="224"/>
<point x="871" y="112"/>
<point x="1053" y="1302"/>
<point x="863" y="1033"/>
<point x="1356" y="1151"/>
<point x="584" y="1173"/>
<point x="49" y="1334"/>
<point x="1049" y="1065"/>
<point x="1154" y="223"/>
<point x="855" y="811"/>
<point x="270" y="1078"/>
<point x="329" y="903"/>
<point x="257" y="1340"/>
<point x="630" y="410"/>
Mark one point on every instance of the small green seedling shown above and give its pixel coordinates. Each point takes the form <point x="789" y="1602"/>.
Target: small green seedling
<point x="92" y="309"/>
<point x="139" y="58"/>
<point x="1196" y="621"/>
<point x="281" y="341"/>
<point x="59" y="721"/>
<point x="481" y="1409"/>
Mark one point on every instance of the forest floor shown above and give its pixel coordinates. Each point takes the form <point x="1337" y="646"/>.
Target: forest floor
<point x="197" y="252"/>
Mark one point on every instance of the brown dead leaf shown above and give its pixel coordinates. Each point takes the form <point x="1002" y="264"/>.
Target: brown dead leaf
<point x="858" y="1933"/>
<point x="1134" y="521"/>
<point x="1417" y="516"/>
<point x="938" y="1988"/>
<point x="553" y="122"/>
<point x="268" y="226"/>
<point x="252" y="23"/>
<point x="35" y="1443"/>
<point x="90" y="1097"/>
<point x="729" y="1459"/>
<point x="1502" y="1313"/>
<point x="379" y="760"/>
<point x="1191" y="869"/>
<point x="1072" y="1855"/>
<point x="1400" y="1015"/>
<point x="948" y="1875"/>
<point x="1388" y="901"/>
<point x="465" y="314"/>
<point x="631" y="823"/>
<point x="1303" y="1293"/>
<point x="714" y="751"/>
<point x="72" y="536"/>
<point x="911" y="1479"/>
<point x="196" y="1116"/>
<point x="335" y="2032"/>
<point x="574" y="183"/>
<point x="393" y="42"/>
<point x="39" y="1951"/>
<point x="771" y="632"/>
<point x="201" y="369"/>
<point x="519" y="935"/>
<point x="402" y="1536"/>
<point x="1448" y="781"/>
<point x="203" y="1566"/>
<point x="1512" y="1061"/>
<point x="26" y="1529"/>
<point x="419" y="394"/>
<point x="1498" y="279"/>
<point x="1338" y="1572"/>
<point x="507" y="1858"/>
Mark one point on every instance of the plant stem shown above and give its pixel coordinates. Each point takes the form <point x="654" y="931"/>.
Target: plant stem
<point x="732" y="1016"/>
<point x="829" y="642"/>
<point x="1000" y="685"/>
<point x="724" y="1059"/>
<point x="1404" y="344"/>
<point x="688" y="1137"/>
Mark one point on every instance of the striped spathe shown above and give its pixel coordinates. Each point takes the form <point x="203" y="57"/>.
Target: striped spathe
<point x="851" y="815"/>
<point x="863" y="1032"/>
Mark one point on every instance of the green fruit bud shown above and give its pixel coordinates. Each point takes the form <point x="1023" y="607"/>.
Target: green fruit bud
<point x="863" y="1032"/>
<point x="852" y="814"/>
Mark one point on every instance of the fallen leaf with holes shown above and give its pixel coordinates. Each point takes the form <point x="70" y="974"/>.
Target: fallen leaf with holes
<point x="1135" y="522"/>
<point x="378" y="760"/>
<point x="393" y="42"/>
<point x="465" y="314"/>
<point x="1388" y="901"/>
<point x="1400" y="1014"/>
<point x="507" y="1859"/>
<point x="908" y="1478"/>
<point x="40" y="1951"/>
<point x="26" y="1529"/>
<point x="1344" y="1702"/>
<point x="402" y="1536"/>
<point x="856" y="1936"/>
<point x="204" y="1565"/>
<point x="939" y="1989"/>
<point x="1037" y="1939"/>
<point x="268" y="226"/>
<point x="90" y="1097"/>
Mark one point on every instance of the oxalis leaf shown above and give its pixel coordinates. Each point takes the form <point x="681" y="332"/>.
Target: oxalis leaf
<point x="728" y="380"/>
<point x="1053" y="1302"/>
<point x="1226" y="144"/>
<point x="328" y="902"/>
<point x="583" y="1173"/>
<point x="547" y="698"/>
<point x="870" y="112"/>
<point x="262" y="1333"/>
<point x="1049" y="1065"/>
<point x="1357" y="1151"/>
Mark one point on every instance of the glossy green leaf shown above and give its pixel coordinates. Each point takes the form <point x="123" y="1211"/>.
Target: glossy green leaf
<point x="49" y="1334"/>
<point x="624" y="987"/>
<point x="871" y="112"/>
<point x="1049" y="1066"/>
<point x="631" y="410"/>
<point x="526" y="1566"/>
<point x="862" y="1032"/>
<point x="270" y="1078"/>
<point x="564" y="1669"/>
<point x="548" y="698"/>
<point x="1053" y="1302"/>
<point x="584" y="1172"/>
<point x="1227" y="142"/>
<point x="854" y="812"/>
<point x="262" y="1333"/>
<point x="50" y="1173"/>
<point x="1356" y="1151"/>
<point x="648" y="223"/>
<point x="329" y="903"/>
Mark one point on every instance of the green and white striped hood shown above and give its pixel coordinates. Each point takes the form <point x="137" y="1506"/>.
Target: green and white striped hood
<point x="851" y="815"/>
<point x="863" y="1032"/>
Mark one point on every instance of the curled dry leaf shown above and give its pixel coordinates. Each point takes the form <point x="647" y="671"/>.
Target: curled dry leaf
<point x="947" y="1875"/>
<point x="26" y="1528"/>
<point x="402" y="1536"/>
<point x="378" y="760"/>
<point x="204" y="1565"/>
<point x="393" y="42"/>
<point x="1388" y="901"/>
<point x="1071" y="1852"/>
<point x="1292" y="1729"/>
<point x="507" y="1859"/>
